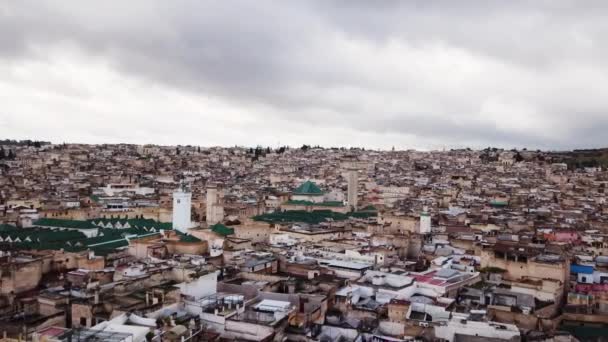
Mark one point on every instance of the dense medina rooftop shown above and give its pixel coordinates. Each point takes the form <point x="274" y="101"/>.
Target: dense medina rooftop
<point x="407" y="246"/>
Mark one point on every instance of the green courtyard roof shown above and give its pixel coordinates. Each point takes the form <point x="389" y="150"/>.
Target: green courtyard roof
<point x="308" y="188"/>
<point x="321" y="204"/>
<point x="187" y="237"/>
<point x="312" y="217"/>
<point x="222" y="229"/>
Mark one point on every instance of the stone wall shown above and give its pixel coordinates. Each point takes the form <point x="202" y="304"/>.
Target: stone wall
<point x="21" y="277"/>
<point x="517" y="270"/>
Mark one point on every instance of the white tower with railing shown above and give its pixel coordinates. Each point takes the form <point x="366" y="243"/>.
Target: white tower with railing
<point x="182" y="207"/>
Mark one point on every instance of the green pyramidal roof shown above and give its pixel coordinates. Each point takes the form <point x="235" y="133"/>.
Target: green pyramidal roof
<point x="308" y="188"/>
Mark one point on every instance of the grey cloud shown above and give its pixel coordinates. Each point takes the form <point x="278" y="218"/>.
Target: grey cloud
<point x="414" y="68"/>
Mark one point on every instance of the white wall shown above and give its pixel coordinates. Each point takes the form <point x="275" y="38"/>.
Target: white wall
<point x="471" y="328"/>
<point x="425" y="224"/>
<point x="204" y="286"/>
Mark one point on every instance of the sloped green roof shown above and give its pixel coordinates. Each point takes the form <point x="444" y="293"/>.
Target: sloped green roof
<point x="43" y="235"/>
<point x="141" y="236"/>
<point x="296" y="202"/>
<point x="59" y="223"/>
<point x="187" y="237"/>
<point x="55" y="238"/>
<point x="7" y="227"/>
<point x="222" y="229"/>
<point x="308" y="188"/>
<point x="108" y="234"/>
<point x="122" y="242"/>
<point x="111" y="246"/>
<point x="134" y="223"/>
<point x="63" y="236"/>
<point x="363" y="214"/>
<point x="44" y="239"/>
<point x="499" y="203"/>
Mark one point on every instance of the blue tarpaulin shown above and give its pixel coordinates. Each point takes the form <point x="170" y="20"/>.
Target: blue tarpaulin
<point x="581" y="269"/>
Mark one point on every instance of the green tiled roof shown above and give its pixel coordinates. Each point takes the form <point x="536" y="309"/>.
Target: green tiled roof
<point x="134" y="223"/>
<point x="187" y="237"/>
<point x="44" y="239"/>
<point x="7" y="227"/>
<point x="59" y="223"/>
<point x="222" y="229"/>
<point x="313" y="217"/>
<point x="141" y="236"/>
<point x="499" y="203"/>
<point x="369" y="208"/>
<point x="308" y="188"/>
<point x="121" y="242"/>
<point x="296" y="202"/>
<point x="363" y="214"/>
<point x="321" y="204"/>
<point x="105" y="242"/>
<point x="43" y="235"/>
<point x="111" y="246"/>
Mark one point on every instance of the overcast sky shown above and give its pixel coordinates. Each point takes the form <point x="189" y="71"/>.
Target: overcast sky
<point x="377" y="74"/>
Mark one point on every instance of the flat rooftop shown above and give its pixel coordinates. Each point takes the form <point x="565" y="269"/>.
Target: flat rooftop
<point x="352" y="265"/>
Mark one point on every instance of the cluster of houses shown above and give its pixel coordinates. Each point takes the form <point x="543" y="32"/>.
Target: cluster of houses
<point x="152" y="243"/>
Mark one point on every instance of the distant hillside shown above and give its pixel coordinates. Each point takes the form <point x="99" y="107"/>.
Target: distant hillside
<point x="582" y="158"/>
<point x="10" y="142"/>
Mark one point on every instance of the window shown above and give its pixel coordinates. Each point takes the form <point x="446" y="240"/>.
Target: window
<point x="83" y="321"/>
<point x="178" y="201"/>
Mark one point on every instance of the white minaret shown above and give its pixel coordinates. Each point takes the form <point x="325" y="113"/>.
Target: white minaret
<point x="425" y="221"/>
<point x="353" y="187"/>
<point x="182" y="206"/>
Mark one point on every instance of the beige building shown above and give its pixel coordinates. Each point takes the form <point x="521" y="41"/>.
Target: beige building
<point x="522" y="263"/>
